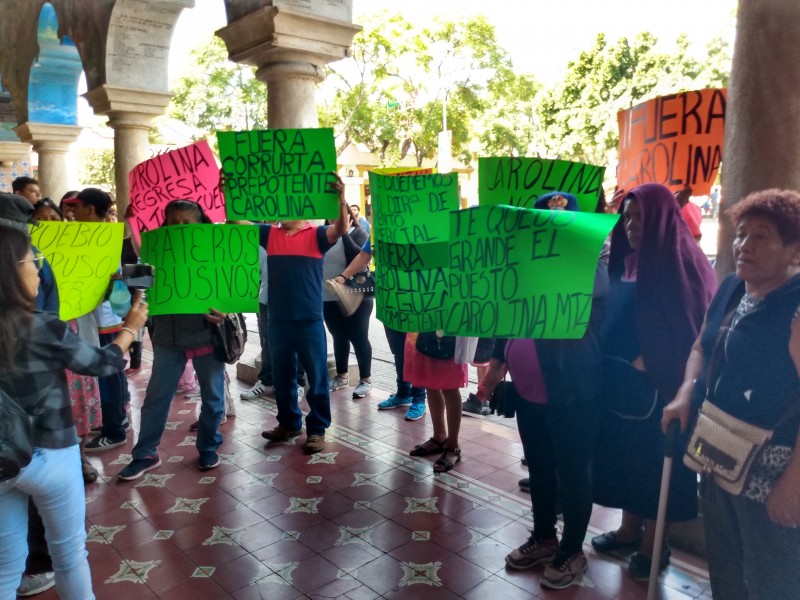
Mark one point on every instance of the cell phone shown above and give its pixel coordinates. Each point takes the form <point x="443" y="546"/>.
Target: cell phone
<point x="139" y="276"/>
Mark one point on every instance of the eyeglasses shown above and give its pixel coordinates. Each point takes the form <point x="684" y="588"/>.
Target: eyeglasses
<point x="38" y="260"/>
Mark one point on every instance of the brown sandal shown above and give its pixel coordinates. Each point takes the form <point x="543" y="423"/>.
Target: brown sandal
<point x="443" y="464"/>
<point x="427" y="448"/>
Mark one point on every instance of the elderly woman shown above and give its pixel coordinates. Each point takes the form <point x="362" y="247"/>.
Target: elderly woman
<point x="35" y="349"/>
<point x="753" y="540"/>
<point x="660" y="286"/>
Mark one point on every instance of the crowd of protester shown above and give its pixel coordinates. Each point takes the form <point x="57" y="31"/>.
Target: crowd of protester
<point x="591" y="412"/>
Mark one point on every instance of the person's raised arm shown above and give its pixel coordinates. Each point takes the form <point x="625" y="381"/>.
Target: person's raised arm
<point x="339" y="227"/>
<point x="681" y="406"/>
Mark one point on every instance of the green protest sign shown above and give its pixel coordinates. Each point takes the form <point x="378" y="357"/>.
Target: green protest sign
<point x="519" y="181"/>
<point x="200" y="267"/>
<point x="83" y="257"/>
<point x="278" y="174"/>
<point x="522" y="273"/>
<point x="411" y="227"/>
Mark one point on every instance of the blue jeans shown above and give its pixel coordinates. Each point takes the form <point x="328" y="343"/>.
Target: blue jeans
<point x="168" y="365"/>
<point x="265" y="374"/>
<point x="303" y="340"/>
<point x="53" y="479"/>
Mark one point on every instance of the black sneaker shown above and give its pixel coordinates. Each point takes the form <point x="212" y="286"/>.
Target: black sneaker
<point x="639" y="567"/>
<point x="472" y="406"/>
<point x="138" y="467"/>
<point x="525" y="485"/>
<point x="486" y="408"/>
<point x="102" y="442"/>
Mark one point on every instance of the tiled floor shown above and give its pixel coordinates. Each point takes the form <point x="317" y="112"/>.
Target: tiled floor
<point x="361" y="520"/>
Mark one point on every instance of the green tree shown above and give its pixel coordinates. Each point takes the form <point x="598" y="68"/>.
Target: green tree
<point x="96" y="167"/>
<point x="219" y="94"/>
<point x="404" y="77"/>
<point x="578" y="117"/>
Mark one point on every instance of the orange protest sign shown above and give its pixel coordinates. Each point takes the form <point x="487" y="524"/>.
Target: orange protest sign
<point x="675" y="140"/>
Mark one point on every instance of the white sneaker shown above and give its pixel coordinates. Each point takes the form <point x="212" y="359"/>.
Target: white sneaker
<point x="362" y="389"/>
<point x="300" y="393"/>
<point x="259" y="390"/>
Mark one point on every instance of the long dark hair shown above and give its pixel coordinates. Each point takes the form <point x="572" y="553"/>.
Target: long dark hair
<point x="14" y="245"/>
<point x="175" y="205"/>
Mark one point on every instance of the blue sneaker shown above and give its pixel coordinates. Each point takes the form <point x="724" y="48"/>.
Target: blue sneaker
<point x="394" y="401"/>
<point x="416" y="411"/>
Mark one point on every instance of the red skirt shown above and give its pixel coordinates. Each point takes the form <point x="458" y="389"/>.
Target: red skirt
<point x="430" y="373"/>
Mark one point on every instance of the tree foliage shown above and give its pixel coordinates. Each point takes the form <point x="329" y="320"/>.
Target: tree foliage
<point x="96" y="167"/>
<point x="219" y="94"/>
<point x="405" y="77"/>
<point x="578" y="115"/>
<point x="391" y="93"/>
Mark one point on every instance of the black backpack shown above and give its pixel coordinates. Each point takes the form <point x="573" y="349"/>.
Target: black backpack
<point x="230" y="337"/>
<point x="16" y="437"/>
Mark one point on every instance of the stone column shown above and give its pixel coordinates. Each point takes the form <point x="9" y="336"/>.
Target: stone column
<point x="130" y="113"/>
<point x="762" y="121"/>
<point x="52" y="143"/>
<point x="289" y="47"/>
<point x="290" y="93"/>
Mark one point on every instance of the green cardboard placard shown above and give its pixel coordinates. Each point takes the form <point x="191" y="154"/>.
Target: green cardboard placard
<point x="200" y="267"/>
<point x="276" y="174"/>
<point x="519" y="181"/>
<point x="83" y="257"/>
<point x="411" y="228"/>
<point x="522" y="273"/>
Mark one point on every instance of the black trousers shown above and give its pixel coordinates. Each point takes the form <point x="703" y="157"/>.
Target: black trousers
<point x="558" y="443"/>
<point x="397" y="344"/>
<point x="350" y="330"/>
<point x="38" y="556"/>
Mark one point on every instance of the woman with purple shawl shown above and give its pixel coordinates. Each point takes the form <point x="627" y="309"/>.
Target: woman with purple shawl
<point x="660" y="286"/>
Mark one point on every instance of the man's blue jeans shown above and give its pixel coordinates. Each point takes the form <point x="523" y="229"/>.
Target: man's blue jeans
<point x="168" y="365"/>
<point x="303" y="340"/>
<point x="53" y="479"/>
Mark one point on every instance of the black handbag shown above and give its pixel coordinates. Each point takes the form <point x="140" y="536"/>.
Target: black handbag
<point x="434" y="344"/>
<point x="504" y="399"/>
<point x="483" y="353"/>
<point x="16" y="437"/>
<point x="230" y="337"/>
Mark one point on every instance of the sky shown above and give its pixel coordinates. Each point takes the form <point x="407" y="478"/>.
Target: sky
<point x="542" y="36"/>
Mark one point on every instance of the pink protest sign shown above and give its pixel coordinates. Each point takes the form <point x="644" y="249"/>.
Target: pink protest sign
<point x="188" y="173"/>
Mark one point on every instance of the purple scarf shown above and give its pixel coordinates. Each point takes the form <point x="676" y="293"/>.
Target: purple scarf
<point x="674" y="285"/>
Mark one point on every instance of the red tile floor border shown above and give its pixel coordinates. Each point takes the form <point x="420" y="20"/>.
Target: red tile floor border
<point x="361" y="520"/>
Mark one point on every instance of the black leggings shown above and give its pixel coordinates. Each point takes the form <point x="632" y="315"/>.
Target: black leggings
<point x="558" y="443"/>
<point x="346" y="330"/>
